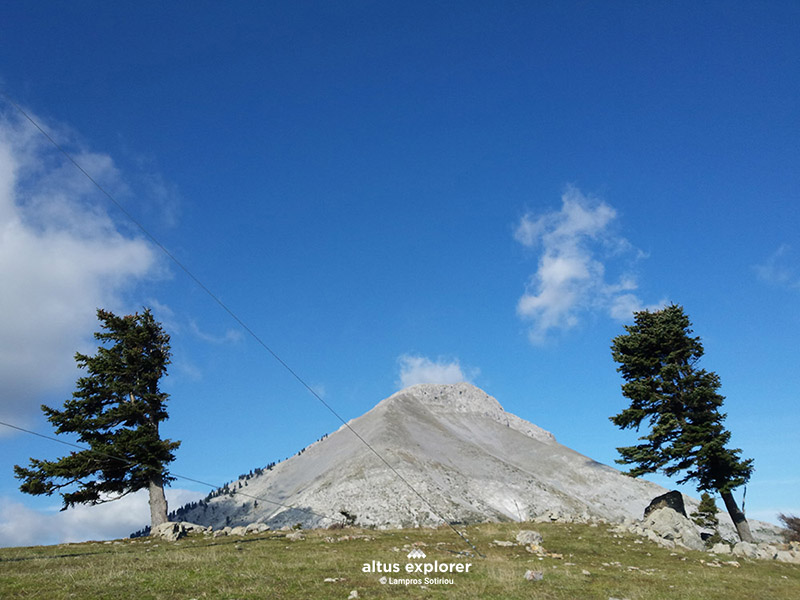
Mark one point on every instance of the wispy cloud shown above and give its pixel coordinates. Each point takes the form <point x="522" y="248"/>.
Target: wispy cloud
<point x="570" y="279"/>
<point x="61" y="257"/>
<point x="420" y="369"/>
<point x="780" y="268"/>
<point x="230" y="335"/>
<point x="21" y="525"/>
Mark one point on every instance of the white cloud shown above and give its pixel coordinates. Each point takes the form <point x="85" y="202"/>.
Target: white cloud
<point x="61" y="257"/>
<point x="780" y="268"/>
<point x="21" y="525"/>
<point x="419" y="369"/>
<point x="571" y="277"/>
<point x="623" y="306"/>
<point x="230" y="336"/>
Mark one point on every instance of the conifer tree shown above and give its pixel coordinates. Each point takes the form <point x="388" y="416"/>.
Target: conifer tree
<point x="115" y="411"/>
<point x="681" y="405"/>
<point x="706" y="513"/>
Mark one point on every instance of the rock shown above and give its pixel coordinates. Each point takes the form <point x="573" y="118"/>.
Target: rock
<point x="674" y="527"/>
<point x="745" y="550"/>
<point x="534" y="575"/>
<point x="767" y="552"/>
<point x="295" y="536"/>
<point x="653" y="536"/>
<point x="758" y="551"/>
<point x="239" y="530"/>
<point x="220" y="533"/>
<point x="173" y="531"/>
<point x="787" y="556"/>
<point x="535" y="549"/>
<point x="673" y="500"/>
<point x="503" y="543"/>
<point x="353" y="595"/>
<point x="721" y="548"/>
<point x="527" y="537"/>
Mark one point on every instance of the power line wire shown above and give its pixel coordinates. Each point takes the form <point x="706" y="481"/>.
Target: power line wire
<point x="233" y="315"/>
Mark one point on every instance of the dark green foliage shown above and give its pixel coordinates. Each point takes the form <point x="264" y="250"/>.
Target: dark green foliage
<point x="349" y="518"/>
<point x="792" y="524"/>
<point x="115" y="411"/>
<point x="678" y="401"/>
<point x="706" y="513"/>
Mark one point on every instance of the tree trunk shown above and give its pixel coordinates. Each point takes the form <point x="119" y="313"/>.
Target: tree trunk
<point x="739" y="520"/>
<point x="158" y="502"/>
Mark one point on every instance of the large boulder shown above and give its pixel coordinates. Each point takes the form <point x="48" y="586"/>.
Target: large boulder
<point x="673" y="500"/>
<point x="672" y="526"/>
<point x="257" y="528"/>
<point x="173" y="531"/>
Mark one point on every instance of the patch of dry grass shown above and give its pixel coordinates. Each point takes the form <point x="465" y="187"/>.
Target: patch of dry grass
<point x="594" y="564"/>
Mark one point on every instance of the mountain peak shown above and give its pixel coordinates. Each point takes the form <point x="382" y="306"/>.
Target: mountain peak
<point x="454" y="443"/>
<point x="456" y="397"/>
<point x="467" y="400"/>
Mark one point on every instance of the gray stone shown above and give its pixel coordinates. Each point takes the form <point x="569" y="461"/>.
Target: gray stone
<point x="789" y="556"/>
<point x="721" y="548"/>
<point x="173" y="531"/>
<point x="745" y="550"/>
<point x="527" y="537"/>
<point x="256" y="528"/>
<point x="240" y="530"/>
<point x="674" y="527"/>
<point x="295" y="536"/>
<point x="767" y="552"/>
<point x="534" y="575"/>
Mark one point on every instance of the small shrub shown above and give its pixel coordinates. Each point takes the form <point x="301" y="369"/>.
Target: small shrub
<point x="349" y="518"/>
<point x="706" y="513"/>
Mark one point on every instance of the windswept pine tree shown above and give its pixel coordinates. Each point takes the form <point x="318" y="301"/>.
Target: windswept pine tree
<point x="680" y="403"/>
<point x="115" y="411"/>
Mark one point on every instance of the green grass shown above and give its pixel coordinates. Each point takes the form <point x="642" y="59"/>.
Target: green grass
<point x="269" y="566"/>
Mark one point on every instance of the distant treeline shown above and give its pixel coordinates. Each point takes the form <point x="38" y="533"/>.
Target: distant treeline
<point x="227" y="489"/>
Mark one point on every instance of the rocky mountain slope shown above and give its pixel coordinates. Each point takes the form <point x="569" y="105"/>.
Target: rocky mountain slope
<point x="456" y="446"/>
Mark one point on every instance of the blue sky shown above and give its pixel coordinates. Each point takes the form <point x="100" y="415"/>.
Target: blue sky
<point x="392" y="193"/>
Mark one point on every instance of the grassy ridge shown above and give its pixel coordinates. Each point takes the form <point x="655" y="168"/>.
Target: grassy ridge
<point x="595" y="564"/>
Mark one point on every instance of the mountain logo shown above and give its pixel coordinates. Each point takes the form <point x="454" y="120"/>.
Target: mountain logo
<point x="416" y="553"/>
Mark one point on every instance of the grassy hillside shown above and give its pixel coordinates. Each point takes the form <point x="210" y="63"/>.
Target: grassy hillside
<point x="594" y="563"/>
